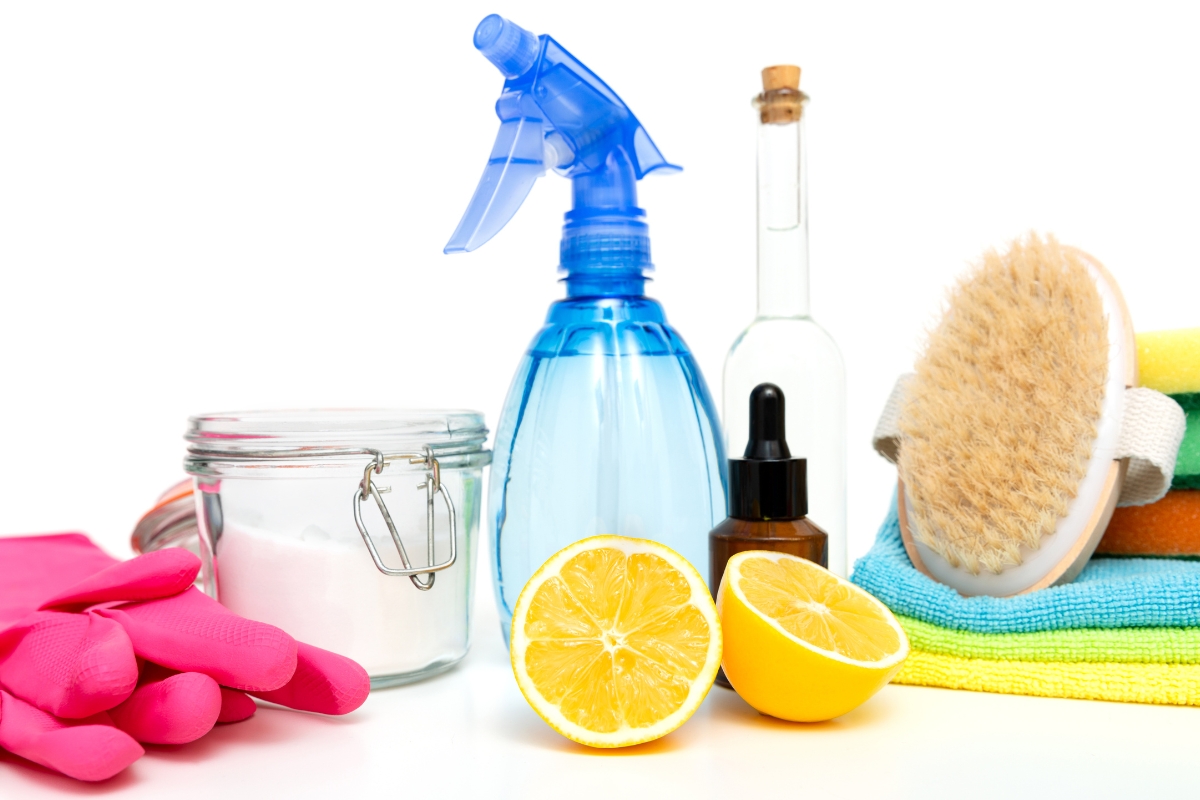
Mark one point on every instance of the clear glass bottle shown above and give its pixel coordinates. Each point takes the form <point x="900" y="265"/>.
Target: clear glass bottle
<point x="784" y="345"/>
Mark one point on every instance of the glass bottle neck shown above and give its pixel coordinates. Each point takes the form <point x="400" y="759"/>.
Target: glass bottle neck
<point x="782" y="220"/>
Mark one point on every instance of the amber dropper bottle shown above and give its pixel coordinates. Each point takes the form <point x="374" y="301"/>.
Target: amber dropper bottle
<point x="768" y="496"/>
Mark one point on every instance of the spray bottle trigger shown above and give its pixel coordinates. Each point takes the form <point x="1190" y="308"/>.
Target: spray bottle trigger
<point x="516" y="162"/>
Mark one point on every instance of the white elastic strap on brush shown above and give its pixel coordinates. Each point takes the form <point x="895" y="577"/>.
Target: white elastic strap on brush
<point x="1151" y="430"/>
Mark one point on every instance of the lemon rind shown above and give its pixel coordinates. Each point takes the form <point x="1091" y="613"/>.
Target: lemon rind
<point x="625" y="736"/>
<point x="733" y="572"/>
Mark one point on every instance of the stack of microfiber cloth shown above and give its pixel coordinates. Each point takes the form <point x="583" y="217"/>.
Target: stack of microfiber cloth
<point x="1169" y="361"/>
<point x="1127" y="629"/>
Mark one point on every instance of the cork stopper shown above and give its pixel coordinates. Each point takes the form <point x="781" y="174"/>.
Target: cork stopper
<point x="781" y="100"/>
<point x="781" y="76"/>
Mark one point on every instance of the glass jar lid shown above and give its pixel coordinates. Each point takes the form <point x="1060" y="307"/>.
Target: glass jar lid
<point x="246" y="442"/>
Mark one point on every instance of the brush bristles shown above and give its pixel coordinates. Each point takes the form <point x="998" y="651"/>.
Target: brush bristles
<point x="998" y="424"/>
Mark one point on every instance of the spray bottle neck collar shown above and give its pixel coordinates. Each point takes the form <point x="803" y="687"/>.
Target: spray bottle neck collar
<point x="599" y="244"/>
<point x="605" y="233"/>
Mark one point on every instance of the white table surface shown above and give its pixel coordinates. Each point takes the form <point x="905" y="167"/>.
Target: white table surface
<point x="469" y="733"/>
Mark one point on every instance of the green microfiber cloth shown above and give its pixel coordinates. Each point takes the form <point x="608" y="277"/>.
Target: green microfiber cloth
<point x="1102" y="645"/>
<point x="1187" y="463"/>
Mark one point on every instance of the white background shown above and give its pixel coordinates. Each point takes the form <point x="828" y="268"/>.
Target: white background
<point x="228" y="205"/>
<point x="223" y="205"/>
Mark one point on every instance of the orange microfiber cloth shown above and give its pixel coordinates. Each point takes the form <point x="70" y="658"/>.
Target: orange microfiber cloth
<point x="1170" y="527"/>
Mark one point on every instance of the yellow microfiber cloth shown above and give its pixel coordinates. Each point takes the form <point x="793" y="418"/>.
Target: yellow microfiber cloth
<point x="1096" y="645"/>
<point x="1169" y="361"/>
<point x="1163" y="684"/>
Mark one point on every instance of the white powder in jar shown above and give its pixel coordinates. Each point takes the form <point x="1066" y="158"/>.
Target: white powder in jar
<point x="327" y="592"/>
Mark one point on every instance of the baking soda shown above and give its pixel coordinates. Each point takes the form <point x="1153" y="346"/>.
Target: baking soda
<point x="327" y="592"/>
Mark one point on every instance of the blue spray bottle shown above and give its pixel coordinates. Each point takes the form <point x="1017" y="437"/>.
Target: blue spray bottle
<point x="608" y="426"/>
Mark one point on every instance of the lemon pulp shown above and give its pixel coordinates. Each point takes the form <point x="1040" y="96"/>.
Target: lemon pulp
<point x="818" y="609"/>
<point x="614" y="642"/>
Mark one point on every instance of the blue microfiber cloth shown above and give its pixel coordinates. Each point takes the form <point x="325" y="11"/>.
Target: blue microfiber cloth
<point x="1109" y="593"/>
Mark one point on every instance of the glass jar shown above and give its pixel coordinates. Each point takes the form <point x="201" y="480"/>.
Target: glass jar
<point x="352" y="530"/>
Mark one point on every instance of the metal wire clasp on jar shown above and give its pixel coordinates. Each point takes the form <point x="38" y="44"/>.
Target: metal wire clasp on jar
<point x="432" y="486"/>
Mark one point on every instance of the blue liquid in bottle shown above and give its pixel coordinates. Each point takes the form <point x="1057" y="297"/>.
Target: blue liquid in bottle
<point x="608" y="428"/>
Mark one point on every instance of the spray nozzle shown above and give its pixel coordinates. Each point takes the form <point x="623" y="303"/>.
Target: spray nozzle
<point x="507" y="45"/>
<point x="555" y="112"/>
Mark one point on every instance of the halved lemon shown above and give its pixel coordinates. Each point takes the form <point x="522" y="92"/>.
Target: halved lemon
<point x="801" y="643"/>
<point x="615" y="641"/>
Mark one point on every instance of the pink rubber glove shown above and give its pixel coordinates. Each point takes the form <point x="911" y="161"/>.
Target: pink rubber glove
<point x="169" y="707"/>
<point x="86" y="749"/>
<point x="33" y="568"/>
<point x="76" y="665"/>
<point x="78" y="654"/>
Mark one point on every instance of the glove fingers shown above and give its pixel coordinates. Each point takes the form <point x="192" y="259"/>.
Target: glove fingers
<point x="161" y="573"/>
<point x="191" y="632"/>
<point x="175" y="710"/>
<point x="324" y="682"/>
<point x="235" y="706"/>
<point x="70" y="665"/>
<point x="87" y="750"/>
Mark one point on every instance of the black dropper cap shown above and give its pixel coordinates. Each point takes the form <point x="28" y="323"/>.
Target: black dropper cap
<point x="767" y="483"/>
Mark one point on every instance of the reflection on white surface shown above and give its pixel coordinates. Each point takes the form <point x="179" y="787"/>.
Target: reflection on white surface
<point x="470" y="734"/>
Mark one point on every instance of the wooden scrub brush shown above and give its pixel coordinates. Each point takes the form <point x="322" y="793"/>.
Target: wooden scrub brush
<point x="1008" y="437"/>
